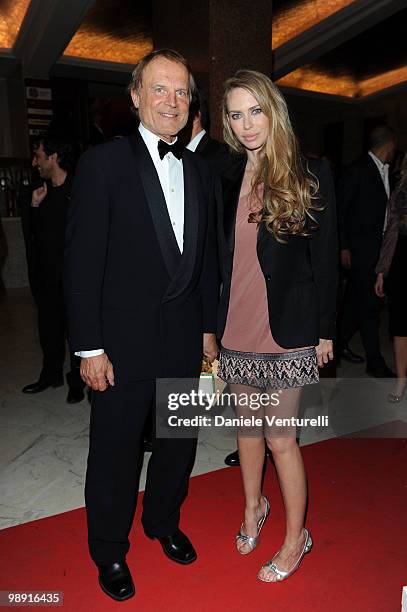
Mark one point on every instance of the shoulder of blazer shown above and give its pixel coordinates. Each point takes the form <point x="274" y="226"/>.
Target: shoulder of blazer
<point x="365" y="166"/>
<point x="107" y="151"/>
<point x="209" y="146"/>
<point x="233" y="174"/>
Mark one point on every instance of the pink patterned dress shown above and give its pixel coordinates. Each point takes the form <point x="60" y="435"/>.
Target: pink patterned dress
<point x="249" y="353"/>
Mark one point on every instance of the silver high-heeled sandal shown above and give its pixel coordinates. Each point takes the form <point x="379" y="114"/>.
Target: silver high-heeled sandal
<point x="281" y="575"/>
<point x="252" y="541"/>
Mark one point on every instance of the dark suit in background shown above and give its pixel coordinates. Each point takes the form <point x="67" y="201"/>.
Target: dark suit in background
<point x="362" y="202"/>
<point x="131" y="292"/>
<point x="46" y="240"/>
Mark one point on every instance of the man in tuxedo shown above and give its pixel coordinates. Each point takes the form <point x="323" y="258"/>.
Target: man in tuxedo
<point x="142" y="290"/>
<point x="45" y="239"/>
<point x="362" y="195"/>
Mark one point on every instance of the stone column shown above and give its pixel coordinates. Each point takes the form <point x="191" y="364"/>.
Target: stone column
<point x="217" y="37"/>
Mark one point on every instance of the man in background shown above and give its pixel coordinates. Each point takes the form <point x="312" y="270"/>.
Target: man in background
<point x="198" y="140"/>
<point x="362" y="196"/>
<point x="53" y="158"/>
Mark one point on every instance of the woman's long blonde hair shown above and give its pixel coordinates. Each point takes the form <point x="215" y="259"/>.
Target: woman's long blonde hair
<point x="288" y="189"/>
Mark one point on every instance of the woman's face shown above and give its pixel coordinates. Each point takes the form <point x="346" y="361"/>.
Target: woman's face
<point x="249" y="124"/>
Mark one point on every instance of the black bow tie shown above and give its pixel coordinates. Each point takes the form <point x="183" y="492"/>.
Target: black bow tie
<point x="176" y="149"/>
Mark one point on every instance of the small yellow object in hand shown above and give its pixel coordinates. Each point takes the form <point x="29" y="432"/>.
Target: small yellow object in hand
<point x="206" y="367"/>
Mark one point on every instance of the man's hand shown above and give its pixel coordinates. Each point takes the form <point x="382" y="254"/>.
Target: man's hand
<point x="38" y="195"/>
<point x="379" y="285"/>
<point x="97" y="372"/>
<point x="210" y="347"/>
<point x="324" y="352"/>
<point x="346" y="258"/>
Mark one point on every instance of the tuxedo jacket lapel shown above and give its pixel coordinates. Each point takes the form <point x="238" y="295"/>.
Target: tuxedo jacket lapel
<point x="180" y="268"/>
<point x="157" y="205"/>
<point x="191" y="225"/>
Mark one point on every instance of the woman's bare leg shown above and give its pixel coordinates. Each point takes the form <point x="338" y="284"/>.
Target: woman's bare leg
<point x="251" y="455"/>
<point x="293" y="484"/>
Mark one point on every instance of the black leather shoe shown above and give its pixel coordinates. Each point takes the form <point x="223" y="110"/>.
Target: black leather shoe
<point x="116" y="581"/>
<point x="348" y="355"/>
<point x="75" y="396"/>
<point x="380" y="371"/>
<point x="178" y="548"/>
<point x="233" y="459"/>
<point x="41" y="385"/>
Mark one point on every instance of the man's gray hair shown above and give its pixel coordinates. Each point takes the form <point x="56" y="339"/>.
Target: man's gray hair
<point x="169" y="54"/>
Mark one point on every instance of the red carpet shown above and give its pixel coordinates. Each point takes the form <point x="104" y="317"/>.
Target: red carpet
<point x="357" y="516"/>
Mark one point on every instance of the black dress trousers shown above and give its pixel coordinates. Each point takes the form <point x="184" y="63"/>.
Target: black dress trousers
<point x="361" y="310"/>
<point x="117" y="419"/>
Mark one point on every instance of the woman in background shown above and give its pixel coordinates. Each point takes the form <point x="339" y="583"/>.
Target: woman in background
<point x="277" y="308"/>
<point x="391" y="275"/>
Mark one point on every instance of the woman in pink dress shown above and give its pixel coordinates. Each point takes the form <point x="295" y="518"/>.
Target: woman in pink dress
<point x="277" y="307"/>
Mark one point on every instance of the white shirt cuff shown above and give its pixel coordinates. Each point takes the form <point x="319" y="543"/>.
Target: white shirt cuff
<point x="89" y="353"/>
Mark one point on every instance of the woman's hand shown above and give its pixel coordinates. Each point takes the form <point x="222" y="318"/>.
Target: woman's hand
<point x="324" y="352"/>
<point x="379" y="285"/>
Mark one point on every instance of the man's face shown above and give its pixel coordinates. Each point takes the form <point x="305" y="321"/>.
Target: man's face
<point x="43" y="162"/>
<point x="163" y="98"/>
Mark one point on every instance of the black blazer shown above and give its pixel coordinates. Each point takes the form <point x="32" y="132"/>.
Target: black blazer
<point x="128" y="288"/>
<point x="300" y="276"/>
<point x="215" y="153"/>
<point x="362" y="202"/>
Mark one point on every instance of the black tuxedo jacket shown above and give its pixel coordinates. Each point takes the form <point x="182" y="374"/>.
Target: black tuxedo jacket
<point x="362" y="202"/>
<point x="128" y="288"/>
<point x="300" y="276"/>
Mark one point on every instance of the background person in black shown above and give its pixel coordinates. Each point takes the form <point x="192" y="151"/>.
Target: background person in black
<point x="362" y="195"/>
<point x="53" y="159"/>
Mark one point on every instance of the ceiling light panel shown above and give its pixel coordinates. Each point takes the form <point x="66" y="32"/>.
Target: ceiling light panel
<point x="12" y="13"/>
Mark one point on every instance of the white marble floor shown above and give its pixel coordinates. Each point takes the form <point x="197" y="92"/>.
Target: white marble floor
<point x="44" y="440"/>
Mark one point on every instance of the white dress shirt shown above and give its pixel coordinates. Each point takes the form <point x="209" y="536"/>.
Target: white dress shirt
<point x="384" y="173"/>
<point x="195" y="141"/>
<point x="171" y="176"/>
